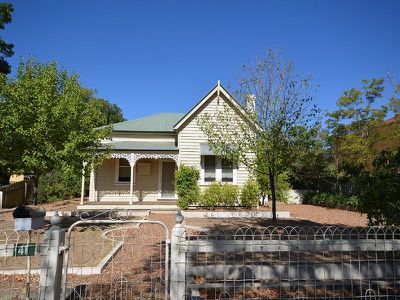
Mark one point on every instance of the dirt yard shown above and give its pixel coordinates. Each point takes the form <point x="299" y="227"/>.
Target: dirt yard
<point x="301" y="215"/>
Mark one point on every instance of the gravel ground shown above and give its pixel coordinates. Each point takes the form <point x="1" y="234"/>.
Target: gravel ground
<point x="301" y="215"/>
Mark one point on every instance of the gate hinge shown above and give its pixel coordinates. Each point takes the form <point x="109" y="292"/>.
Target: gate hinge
<point x="63" y="248"/>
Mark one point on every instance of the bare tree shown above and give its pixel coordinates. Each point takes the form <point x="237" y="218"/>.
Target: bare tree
<point x="275" y="125"/>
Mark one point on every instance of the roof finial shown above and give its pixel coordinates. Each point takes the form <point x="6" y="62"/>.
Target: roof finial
<point x="218" y="87"/>
<point x="218" y="83"/>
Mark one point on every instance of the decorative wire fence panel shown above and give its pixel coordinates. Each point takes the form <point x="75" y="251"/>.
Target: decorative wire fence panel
<point x="293" y="263"/>
<point x="20" y="263"/>
<point x="117" y="262"/>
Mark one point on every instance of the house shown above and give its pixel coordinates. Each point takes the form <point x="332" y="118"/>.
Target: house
<point x="146" y="152"/>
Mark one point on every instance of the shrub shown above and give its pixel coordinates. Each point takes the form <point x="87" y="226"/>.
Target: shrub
<point x="250" y="194"/>
<point x="229" y="194"/>
<point x="282" y="186"/>
<point x="186" y="186"/>
<point x="211" y="196"/>
<point x="332" y="200"/>
<point x="382" y="190"/>
<point x="218" y="194"/>
<point x="58" y="186"/>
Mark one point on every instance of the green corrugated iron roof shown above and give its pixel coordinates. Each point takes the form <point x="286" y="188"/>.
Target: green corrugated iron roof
<point x="154" y="146"/>
<point x="163" y="122"/>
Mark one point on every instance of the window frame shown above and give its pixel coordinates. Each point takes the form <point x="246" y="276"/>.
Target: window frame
<point x="222" y="170"/>
<point x="117" y="168"/>
<point x="218" y="171"/>
<point x="215" y="168"/>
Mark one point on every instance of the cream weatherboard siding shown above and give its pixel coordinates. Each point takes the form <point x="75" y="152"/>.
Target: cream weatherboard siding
<point x="190" y="137"/>
<point x="146" y="187"/>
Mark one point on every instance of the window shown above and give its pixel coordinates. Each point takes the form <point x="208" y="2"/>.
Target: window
<point x="215" y="168"/>
<point x="124" y="171"/>
<point x="227" y="170"/>
<point x="209" y="168"/>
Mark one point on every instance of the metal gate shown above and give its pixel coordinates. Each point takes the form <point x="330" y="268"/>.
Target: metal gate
<point x="116" y="259"/>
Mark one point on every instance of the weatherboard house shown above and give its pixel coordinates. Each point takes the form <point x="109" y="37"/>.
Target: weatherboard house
<point x="146" y="152"/>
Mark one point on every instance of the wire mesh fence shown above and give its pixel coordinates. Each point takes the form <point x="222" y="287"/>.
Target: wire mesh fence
<point x="293" y="263"/>
<point x="129" y="259"/>
<point x="20" y="263"/>
<point x="116" y="261"/>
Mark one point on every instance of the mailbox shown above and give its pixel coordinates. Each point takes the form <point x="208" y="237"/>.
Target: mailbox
<point x="27" y="217"/>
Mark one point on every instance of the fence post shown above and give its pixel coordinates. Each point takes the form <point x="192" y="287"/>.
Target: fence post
<point x="1" y="199"/>
<point x="52" y="261"/>
<point x="178" y="259"/>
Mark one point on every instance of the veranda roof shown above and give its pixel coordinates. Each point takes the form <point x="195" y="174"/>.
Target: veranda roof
<point x="162" y="122"/>
<point x="152" y="146"/>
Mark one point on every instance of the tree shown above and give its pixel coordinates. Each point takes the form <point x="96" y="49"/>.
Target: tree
<point x="381" y="199"/>
<point x="312" y="170"/>
<point x="6" y="50"/>
<point x="112" y="113"/>
<point x="354" y="127"/>
<point x="275" y="128"/>
<point x="48" y="121"/>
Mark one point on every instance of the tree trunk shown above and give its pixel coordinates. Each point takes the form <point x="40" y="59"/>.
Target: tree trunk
<point x="273" y="194"/>
<point x="35" y="188"/>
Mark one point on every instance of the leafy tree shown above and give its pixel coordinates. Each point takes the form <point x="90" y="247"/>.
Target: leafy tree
<point x="275" y="128"/>
<point x="382" y="196"/>
<point x="6" y="50"/>
<point x="48" y="121"/>
<point x="112" y="113"/>
<point x="313" y="169"/>
<point x="354" y="127"/>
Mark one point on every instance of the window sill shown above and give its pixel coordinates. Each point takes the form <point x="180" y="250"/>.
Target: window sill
<point x="211" y="182"/>
<point x="122" y="183"/>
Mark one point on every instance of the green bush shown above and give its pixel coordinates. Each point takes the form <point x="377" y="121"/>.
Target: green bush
<point x="381" y="199"/>
<point x="218" y="194"/>
<point x="250" y="194"/>
<point x="332" y="200"/>
<point x="211" y="196"/>
<point x="282" y="186"/>
<point x="229" y="195"/>
<point x="58" y="186"/>
<point x="186" y="186"/>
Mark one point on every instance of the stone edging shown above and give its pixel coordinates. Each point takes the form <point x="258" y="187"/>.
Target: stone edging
<point x="234" y="214"/>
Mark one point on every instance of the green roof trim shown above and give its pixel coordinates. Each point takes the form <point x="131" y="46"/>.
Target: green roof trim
<point x="149" y="146"/>
<point x="163" y="122"/>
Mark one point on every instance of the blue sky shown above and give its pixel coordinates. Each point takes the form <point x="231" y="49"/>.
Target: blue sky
<point x="163" y="56"/>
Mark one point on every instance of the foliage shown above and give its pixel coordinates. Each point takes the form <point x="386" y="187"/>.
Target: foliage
<point x="188" y="191"/>
<point x="111" y="113"/>
<point x="282" y="186"/>
<point x="382" y="197"/>
<point x="250" y="194"/>
<point x="55" y="186"/>
<point x="276" y="129"/>
<point x="354" y="127"/>
<point x="6" y="50"/>
<point x="48" y="121"/>
<point x="332" y="200"/>
<point x="219" y="194"/>
<point x="229" y="194"/>
<point x="311" y="171"/>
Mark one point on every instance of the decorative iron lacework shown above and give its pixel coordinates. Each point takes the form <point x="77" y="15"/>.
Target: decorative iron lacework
<point x="113" y="214"/>
<point x="132" y="158"/>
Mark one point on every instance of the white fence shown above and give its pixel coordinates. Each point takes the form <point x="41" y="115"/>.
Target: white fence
<point x="130" y="259"/>
<point x="287" y="263"/>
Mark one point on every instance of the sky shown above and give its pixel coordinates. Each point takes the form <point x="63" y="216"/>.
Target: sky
<point x="164" y="56"/>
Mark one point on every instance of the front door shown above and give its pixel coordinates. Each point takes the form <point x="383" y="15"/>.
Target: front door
<point x="168" y="179"/>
